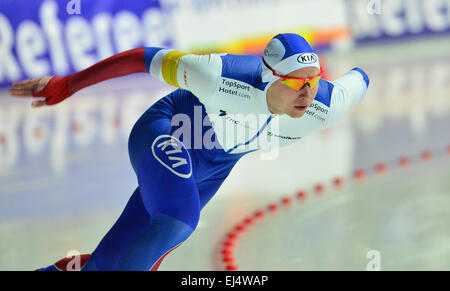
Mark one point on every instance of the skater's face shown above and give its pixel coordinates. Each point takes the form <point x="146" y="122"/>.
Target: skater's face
<point x="282" y="99"/>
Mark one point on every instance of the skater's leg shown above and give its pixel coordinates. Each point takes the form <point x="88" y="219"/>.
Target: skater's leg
<point x="137" y="241"/>
<point x="162" y="212"/>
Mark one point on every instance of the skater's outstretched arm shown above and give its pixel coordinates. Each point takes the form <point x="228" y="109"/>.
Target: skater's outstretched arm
<point x="197" y="73"/>
<point x="55" y="89"/>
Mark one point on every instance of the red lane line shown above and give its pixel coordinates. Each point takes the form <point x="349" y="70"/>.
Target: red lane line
<point x="319" y="189"/>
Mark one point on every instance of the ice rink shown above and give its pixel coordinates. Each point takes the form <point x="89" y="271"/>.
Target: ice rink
<point x="65" y="176"/>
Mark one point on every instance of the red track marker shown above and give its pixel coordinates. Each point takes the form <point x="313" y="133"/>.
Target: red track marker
<point x="259" y="213"/>
<point x="226" y="251"/>
<point x="302" y="195"/>
<point x="240" y="227"/>
<point x="248" y="220"/>
<point x="229" y="243"/>
<point x="232" y="235"/>
<point x="359" y="175"/>
<point x="337" y="182"/>
<point x="319" y="189"/>
<point x="228" y="259"/>
<point x="273" y="207"/>
<point x="232" y="267"/>
<point x="426" y="156"/>
<point x="381" y="168"/>
<point x="404" y="162"/>
<point x="286" y="201"/>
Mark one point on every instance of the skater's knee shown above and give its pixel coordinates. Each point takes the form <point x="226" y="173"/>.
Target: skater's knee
<point x="174" y="228"/>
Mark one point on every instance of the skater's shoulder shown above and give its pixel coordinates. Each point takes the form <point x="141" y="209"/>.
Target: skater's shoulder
<point x="244" y="68"/>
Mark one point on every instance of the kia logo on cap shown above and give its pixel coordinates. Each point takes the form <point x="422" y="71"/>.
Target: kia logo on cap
<point x="307" y="58"/>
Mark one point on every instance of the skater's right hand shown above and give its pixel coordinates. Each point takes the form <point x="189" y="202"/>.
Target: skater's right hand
<point x="54" y="89"/>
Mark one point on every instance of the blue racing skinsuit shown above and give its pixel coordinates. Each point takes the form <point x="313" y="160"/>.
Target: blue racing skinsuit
<point x="185" y="145"/>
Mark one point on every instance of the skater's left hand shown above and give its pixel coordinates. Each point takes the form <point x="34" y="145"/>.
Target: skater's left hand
<point x="54" y="91"/>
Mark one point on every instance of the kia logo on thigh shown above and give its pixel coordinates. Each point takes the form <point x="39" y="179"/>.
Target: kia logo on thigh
<point x="172" y="154"/>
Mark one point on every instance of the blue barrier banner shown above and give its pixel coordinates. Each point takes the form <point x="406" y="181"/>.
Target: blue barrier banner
<point x="388" y="20"/>
<point x="57" y="37"/>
